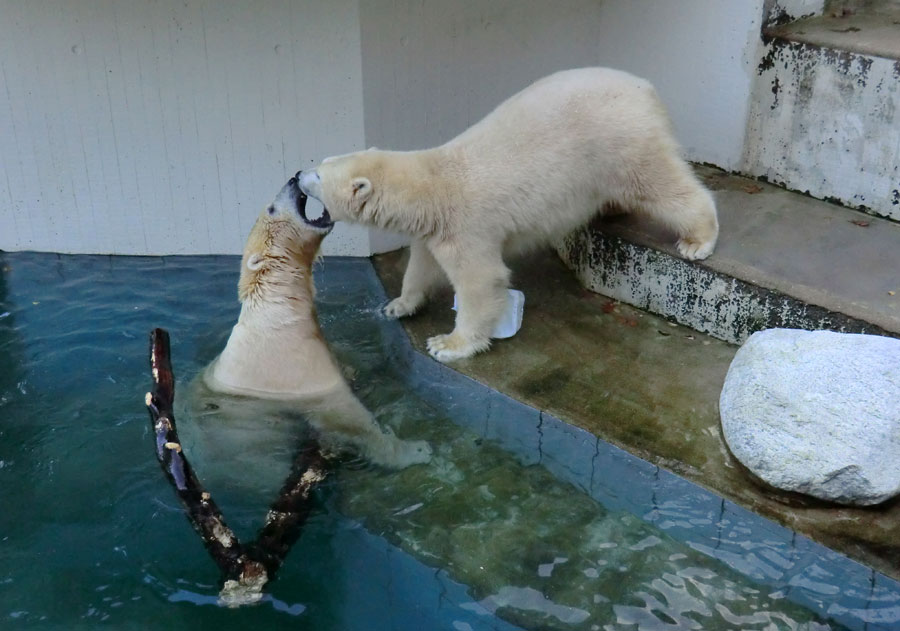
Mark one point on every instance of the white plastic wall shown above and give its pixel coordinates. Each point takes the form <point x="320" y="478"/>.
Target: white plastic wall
<point x="431" y="68"/>
<point x="701" y="56"/>
<point x="163" y="127"/>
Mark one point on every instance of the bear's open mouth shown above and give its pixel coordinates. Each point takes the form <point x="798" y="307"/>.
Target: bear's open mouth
<point x="320" y="222"/>
<point x="323" y="222"/>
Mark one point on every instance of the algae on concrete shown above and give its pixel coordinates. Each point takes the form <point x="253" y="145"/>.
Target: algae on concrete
<point x="644" y="384"/>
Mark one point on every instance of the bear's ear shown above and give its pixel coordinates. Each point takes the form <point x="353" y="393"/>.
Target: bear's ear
<point x="361" y="187"/>
<point x="255" y="262"/>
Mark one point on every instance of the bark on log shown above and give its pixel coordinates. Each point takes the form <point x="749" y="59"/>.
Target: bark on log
<point x="202" y="511"/>
<point x="290" y="509"/>
<point x="245" y="569"/>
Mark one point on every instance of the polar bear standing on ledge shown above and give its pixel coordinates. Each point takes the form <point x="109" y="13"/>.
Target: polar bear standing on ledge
<point x="543" y="163"/>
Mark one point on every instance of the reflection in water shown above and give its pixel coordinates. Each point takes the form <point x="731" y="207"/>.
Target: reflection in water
<point x="528" y="599"/>
<point x="90" y="531"/>
<point x="10" y="343"/>
<point x="541" y="554"/>
<point x="184" y="595"/>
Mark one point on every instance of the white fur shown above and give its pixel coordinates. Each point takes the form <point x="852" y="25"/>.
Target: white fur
<point x="542" y="164"/>
<point x="276" y="350"/>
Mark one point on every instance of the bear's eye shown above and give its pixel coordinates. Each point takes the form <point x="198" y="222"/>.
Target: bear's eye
<point x="271" y="210"/>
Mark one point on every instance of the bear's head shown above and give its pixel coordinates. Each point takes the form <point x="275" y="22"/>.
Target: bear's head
<point x="344" y="184"/>
<point x="395" y="190"/>
<point x="283" y="243"/>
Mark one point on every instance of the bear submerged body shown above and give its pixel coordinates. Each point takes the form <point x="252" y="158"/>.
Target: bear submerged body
<point x="276" y="352"/>
<point x="542" y="164"/>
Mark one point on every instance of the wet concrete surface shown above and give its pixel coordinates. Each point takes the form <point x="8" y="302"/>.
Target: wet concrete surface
<point x="644" y="384"/>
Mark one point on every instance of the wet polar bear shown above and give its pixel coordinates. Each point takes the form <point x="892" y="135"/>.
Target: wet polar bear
<point x="276" y="350"/>
<point x="543" y="163"/>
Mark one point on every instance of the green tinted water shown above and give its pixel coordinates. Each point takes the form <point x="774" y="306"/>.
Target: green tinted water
<point x="91" y="534"/>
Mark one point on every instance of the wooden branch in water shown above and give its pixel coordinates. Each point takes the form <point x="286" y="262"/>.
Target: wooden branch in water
<point x="246" y="570"/>
<point x="290" y="510"/>
<point x="202" y="511"/>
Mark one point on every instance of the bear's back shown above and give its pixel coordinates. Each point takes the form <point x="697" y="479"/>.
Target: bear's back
<point x="548" y="158"/>
<point x="601" y="103"/>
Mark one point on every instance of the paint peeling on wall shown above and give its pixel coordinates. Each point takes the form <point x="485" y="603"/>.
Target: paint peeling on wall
<point x="780" y="12"/>
<point x="824" y="121"/>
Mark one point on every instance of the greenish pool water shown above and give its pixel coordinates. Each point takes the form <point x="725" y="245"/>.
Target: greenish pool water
<point x="520" y="522"/>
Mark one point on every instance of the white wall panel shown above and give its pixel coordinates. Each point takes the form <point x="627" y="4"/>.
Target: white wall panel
<point x="432" y="68"/>
<point x="164" y="127"/>
<point x="701" y="55"/>
<point x="152" y="127"/>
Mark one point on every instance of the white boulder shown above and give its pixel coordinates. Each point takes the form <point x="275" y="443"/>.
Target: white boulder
<point x="817" y="412"/>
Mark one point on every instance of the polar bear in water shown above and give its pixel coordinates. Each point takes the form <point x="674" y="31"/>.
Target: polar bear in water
<point x="276" y="351"/>
<point x="540" y="165"/>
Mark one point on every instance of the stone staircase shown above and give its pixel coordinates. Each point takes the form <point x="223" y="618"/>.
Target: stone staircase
<point x="783" y="260"/>
<point x="809" y="233"/>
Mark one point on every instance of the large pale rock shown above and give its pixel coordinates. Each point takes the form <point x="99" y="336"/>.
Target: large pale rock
<point x="817" y="412"/>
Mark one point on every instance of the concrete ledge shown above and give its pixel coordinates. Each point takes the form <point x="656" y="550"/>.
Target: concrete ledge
<point x="863" y="30"/>
<point x="783" y="260"/>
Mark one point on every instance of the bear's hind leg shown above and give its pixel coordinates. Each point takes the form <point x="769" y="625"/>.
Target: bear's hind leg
<point x="688" y="210"/>
<point x="422" y="276"/>
<point x="480" y="281"/>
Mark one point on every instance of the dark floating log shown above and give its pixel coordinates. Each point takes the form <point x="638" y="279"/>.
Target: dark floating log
<point x="245" y="570"/>
<point x="289" y="511"/>
<point x="202" y="511"/>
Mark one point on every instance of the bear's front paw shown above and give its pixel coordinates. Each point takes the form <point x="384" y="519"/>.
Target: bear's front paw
<point x="400" y="307"/>
<point x="695" y="251"/>
<point x="412" y="452"/>
<point x="447" y="348"/>
<point x="394" y="453"/>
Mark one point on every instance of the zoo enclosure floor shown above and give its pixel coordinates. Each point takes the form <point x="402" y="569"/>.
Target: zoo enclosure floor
<point x="641" y="383"/>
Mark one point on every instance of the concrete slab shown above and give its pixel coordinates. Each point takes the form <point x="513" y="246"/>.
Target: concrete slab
<point x="643" y="383"/>
<point x="822" y="117"/>
<point x="783" y="259"/>
<point x="875" y="32"/>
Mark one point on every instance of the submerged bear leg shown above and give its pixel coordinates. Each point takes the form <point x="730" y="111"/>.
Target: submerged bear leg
<point x="480" y="280"/>
<point x="422" y="276"/>
<point x="344" y="421"/>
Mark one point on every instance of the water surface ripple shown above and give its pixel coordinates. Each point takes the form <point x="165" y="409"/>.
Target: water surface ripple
<point x="485" y="537"/>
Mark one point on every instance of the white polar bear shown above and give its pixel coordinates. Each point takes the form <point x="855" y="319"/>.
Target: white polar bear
<point x="276" y="350"/>
<point x="543" y="163"/>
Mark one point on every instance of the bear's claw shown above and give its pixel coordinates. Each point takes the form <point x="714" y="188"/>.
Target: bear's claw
<point x="693" y="251"/>
<point x="452" y="346"/>
<point x="414" y="452"/>
<point x="399" y="308"/>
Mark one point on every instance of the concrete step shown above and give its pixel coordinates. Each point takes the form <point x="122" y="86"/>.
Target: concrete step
<point x="867" y="28"/>
<point x="825" y="112"/>
<point x="783" y="260"/>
